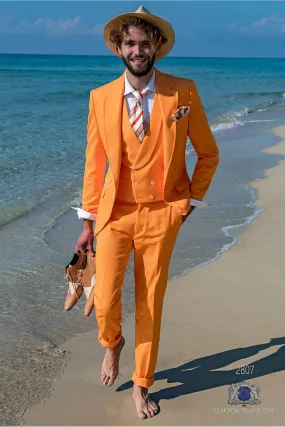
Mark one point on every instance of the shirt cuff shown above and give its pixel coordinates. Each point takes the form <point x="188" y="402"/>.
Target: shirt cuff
<point x="198" y="203"/>
<point x="84" y="214"/>
<point x="193" y="202"/>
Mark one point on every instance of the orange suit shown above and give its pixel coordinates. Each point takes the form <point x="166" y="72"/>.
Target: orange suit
<point x="139" y="205"/>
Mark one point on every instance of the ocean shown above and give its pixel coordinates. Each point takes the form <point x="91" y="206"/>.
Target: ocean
<point x="43" y="118"/>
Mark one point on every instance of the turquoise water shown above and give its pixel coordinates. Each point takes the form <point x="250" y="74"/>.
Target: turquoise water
<point x="43" y="114"/>
<point x="43" y="118"/>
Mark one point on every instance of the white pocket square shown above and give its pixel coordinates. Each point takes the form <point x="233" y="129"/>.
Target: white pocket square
<point x="180" y="112"/>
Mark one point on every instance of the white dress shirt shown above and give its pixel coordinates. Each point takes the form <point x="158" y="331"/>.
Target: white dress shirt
<point x="148" y="100"/>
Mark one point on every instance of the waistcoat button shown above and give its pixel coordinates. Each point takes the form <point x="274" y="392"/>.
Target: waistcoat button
<point x="152" y="182"/>
<point x="136" y="183"/>
<point x="151" y="196"/>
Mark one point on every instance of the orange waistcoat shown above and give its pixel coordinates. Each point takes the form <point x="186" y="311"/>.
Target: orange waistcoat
<point x="142" y="166"/>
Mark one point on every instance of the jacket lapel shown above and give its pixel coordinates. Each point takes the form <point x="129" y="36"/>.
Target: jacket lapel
<point x="168" y="98"/>
<point x="112" y="111"/>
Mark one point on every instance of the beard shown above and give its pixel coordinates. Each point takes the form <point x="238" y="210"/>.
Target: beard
<point x="139" y="72"/>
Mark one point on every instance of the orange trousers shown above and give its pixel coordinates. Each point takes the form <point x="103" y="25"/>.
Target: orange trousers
<point x="151" y="230"/>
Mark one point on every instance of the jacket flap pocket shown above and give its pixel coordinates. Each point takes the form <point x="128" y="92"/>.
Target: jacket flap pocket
<point x="182" y="185"/>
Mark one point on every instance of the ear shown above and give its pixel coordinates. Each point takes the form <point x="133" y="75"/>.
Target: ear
<point x="119" y="49"/>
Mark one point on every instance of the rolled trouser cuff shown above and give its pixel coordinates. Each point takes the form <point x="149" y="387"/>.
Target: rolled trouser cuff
<point x="142" y="382"/>
<point x="109" y="344"/>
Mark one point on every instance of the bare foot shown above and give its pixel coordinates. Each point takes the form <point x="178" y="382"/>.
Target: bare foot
<point x="146" y="408"/>
<point x="110" y="367"/>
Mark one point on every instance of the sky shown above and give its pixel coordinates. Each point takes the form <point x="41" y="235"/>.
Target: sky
<point x="202" y="28"/>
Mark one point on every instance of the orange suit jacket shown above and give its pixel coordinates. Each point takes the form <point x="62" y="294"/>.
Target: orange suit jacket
<point x="104" y="131"/>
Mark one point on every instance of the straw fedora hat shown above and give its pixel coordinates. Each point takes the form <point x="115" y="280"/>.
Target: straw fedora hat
<point x="143" y="13"/>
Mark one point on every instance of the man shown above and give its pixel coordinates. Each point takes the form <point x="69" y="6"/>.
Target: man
<point x="140" y="123"/>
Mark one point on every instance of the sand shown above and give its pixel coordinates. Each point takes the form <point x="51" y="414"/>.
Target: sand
<point x="222" y="316"/>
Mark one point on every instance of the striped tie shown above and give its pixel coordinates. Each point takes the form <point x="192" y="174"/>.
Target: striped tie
<point x="136" y="115"/>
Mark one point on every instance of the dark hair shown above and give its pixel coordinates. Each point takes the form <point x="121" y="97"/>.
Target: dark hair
<point x="155" y="35"/>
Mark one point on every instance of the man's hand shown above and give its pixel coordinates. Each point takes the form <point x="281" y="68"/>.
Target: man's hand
<point x="184" y="217"/>
<point x="85" y="239"/>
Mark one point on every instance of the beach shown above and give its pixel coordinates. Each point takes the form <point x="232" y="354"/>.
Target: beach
<point x="217" y="319"/>
<point x="41" y="174"/>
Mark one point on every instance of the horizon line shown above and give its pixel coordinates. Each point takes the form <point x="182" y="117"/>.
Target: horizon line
<point x="170" y="56"/>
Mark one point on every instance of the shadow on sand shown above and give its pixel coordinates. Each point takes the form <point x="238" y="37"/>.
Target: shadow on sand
<point x="199" y="374"/>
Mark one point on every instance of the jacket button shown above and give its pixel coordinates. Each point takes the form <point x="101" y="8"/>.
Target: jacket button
<point x="136" y="183"/>
<point x="152" y="182"/>
<point x="151" y="196"/>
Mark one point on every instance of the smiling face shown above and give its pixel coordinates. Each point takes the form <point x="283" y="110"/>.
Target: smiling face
<point x="136" y="52"/>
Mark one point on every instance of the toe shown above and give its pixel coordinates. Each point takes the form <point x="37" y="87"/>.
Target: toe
<point x="153" y="406"/>
<point x="142" y="415"/>
<point x="147" y="411"/>
<point x="139" y="409"/>
<point x="110" y="381"/>
<point x="151" y="411"/>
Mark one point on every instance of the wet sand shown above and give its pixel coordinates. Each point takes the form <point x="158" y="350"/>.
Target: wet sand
<point x="227" y="314"/>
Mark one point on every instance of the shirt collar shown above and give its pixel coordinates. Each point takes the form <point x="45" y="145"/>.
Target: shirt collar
<point x="150" y="86"/>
